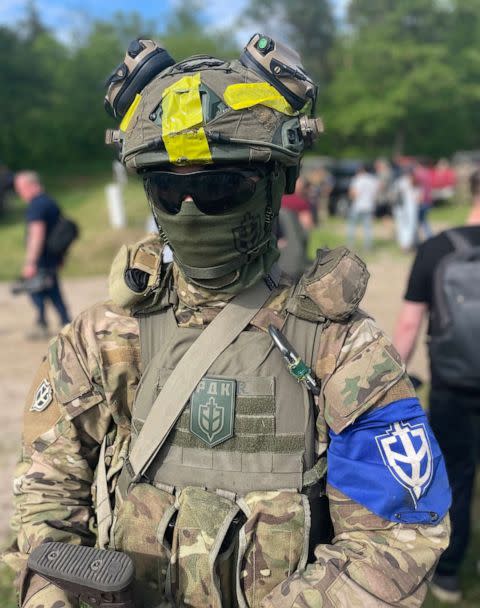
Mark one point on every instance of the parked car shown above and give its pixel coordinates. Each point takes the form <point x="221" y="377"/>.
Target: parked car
<point x="442" y="177"/>
<point x="444" y="180"/>
<point x="342" y="172"/>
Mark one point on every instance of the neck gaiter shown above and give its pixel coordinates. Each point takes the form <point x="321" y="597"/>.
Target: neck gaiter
<point x="231" y="251"/>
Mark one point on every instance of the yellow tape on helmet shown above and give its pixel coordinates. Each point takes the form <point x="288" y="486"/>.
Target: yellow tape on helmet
<point x="130" y="112"/>
<point x="182" y="122"/>
<point x="246" y="95"/>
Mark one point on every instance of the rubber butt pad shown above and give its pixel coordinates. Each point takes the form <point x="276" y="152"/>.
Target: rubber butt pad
<point x="109" y="571"/>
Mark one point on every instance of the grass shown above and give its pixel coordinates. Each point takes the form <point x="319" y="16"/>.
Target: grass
<point x="332" y="232"/>
<point x="84" y="201"/>
<point x="7" y="593"/>
<point x="469" y="576"/>
<point x="453" y="214"/>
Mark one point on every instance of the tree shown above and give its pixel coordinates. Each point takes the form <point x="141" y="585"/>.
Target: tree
<point x="308" y="25"/>
<point x="51" y="102"/>
<point x="186" y="33"/>
<point x="398" y="86"/>
<point x="31" y="26"/>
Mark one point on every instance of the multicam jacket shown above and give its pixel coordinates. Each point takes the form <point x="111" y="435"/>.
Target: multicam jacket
<point x="88" y="383"/>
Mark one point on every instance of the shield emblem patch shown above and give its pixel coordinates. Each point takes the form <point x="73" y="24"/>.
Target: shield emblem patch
<point x="248" y="234"/>
<point x="43" y="397"/>
<point x="212" y="410"/>
<point x="406" y="451"/>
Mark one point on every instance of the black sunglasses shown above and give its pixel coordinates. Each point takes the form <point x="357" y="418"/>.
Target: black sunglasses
<point x="214" y="191"/>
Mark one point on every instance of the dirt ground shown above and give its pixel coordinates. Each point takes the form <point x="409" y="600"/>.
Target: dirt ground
<point x="19" y="358"/>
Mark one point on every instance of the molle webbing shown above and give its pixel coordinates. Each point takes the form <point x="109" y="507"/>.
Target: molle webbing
<point x="253" y="433"/>
<point x="195" y="362"/>
<point x="273" y="440"/>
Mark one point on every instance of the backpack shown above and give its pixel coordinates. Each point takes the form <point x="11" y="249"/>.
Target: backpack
<point x="62" y="236"/>
<point x="455" y="315"/>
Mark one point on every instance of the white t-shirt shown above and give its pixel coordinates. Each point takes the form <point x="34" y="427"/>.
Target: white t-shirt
<point x="365" y="188"/>
<point x="406" y="212"/>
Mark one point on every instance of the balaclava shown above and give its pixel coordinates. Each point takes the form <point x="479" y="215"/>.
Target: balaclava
<point x="227" y="252"/>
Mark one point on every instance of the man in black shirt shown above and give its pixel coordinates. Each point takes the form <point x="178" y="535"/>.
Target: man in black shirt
<point x="41" y="216"/>
<point x="453" y="410"/>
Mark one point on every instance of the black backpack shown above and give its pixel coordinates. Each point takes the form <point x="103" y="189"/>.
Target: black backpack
<point x="62" y="236"/>
<point x="454" y="345"/>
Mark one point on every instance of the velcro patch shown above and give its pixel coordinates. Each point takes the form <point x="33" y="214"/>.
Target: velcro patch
<point x="42" y="413"/>
<point x="212" y="410"/>
<point x="43" y="397"/>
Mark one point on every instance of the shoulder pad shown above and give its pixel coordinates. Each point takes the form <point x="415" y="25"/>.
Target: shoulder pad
<point x="135" y="271"/>
<point x="331" y="288"/>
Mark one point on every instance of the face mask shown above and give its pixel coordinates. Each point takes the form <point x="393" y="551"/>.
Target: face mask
<point x="230" y="251"/>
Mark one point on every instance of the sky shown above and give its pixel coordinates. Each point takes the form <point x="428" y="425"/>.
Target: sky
<point x="63" y="16"/>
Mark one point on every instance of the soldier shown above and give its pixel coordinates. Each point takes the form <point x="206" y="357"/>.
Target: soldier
<point x="164" y="423"/>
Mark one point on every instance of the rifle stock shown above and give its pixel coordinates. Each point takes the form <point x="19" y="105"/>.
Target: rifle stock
<point x="100" y="578"/>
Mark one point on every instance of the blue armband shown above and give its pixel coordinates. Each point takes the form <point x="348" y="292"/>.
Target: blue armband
<point x="389" y="461"/>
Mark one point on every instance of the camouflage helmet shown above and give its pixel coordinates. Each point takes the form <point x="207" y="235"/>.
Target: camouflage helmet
<point x="205" y="110"/>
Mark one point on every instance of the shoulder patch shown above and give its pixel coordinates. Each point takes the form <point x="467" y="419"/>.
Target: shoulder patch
<point x="43" y="397"/>
<point x="42" y="410"/>
<point x="407" y="453"/>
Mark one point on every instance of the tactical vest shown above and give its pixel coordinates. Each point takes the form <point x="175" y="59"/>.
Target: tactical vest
<point x="222" y="515"/>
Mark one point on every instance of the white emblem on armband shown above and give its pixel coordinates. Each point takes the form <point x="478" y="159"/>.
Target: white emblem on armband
<point x="406" y="452"/>
<point x="43" y="397"/>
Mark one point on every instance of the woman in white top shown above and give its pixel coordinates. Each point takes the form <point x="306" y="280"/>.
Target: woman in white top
<point x="405" y="211"/>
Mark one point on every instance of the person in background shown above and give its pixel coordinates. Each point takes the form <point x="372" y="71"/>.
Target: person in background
<point x="41" y="216"/>
<point x="423" y="177"/>
<point x="298" y="202"/>
<point x="320" y="186"/>
<point x="454" y="408"/>
<point x="294" y="223"/>
<point x="363" y="192"/>
<point x="385" y="176"/>
<point x="405" y="210"/>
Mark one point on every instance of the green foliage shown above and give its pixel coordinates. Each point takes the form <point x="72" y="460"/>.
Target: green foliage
<point x="185" y="34"/>
<point x="309" y="28"/>
<point x="82" y="199"/>
<point x="406" y="77"/>
<point x="397" y="77"/>
<point x="51" y="102"/>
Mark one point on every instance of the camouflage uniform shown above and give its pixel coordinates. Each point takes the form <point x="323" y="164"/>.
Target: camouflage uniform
<point x="94" y="367"/>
